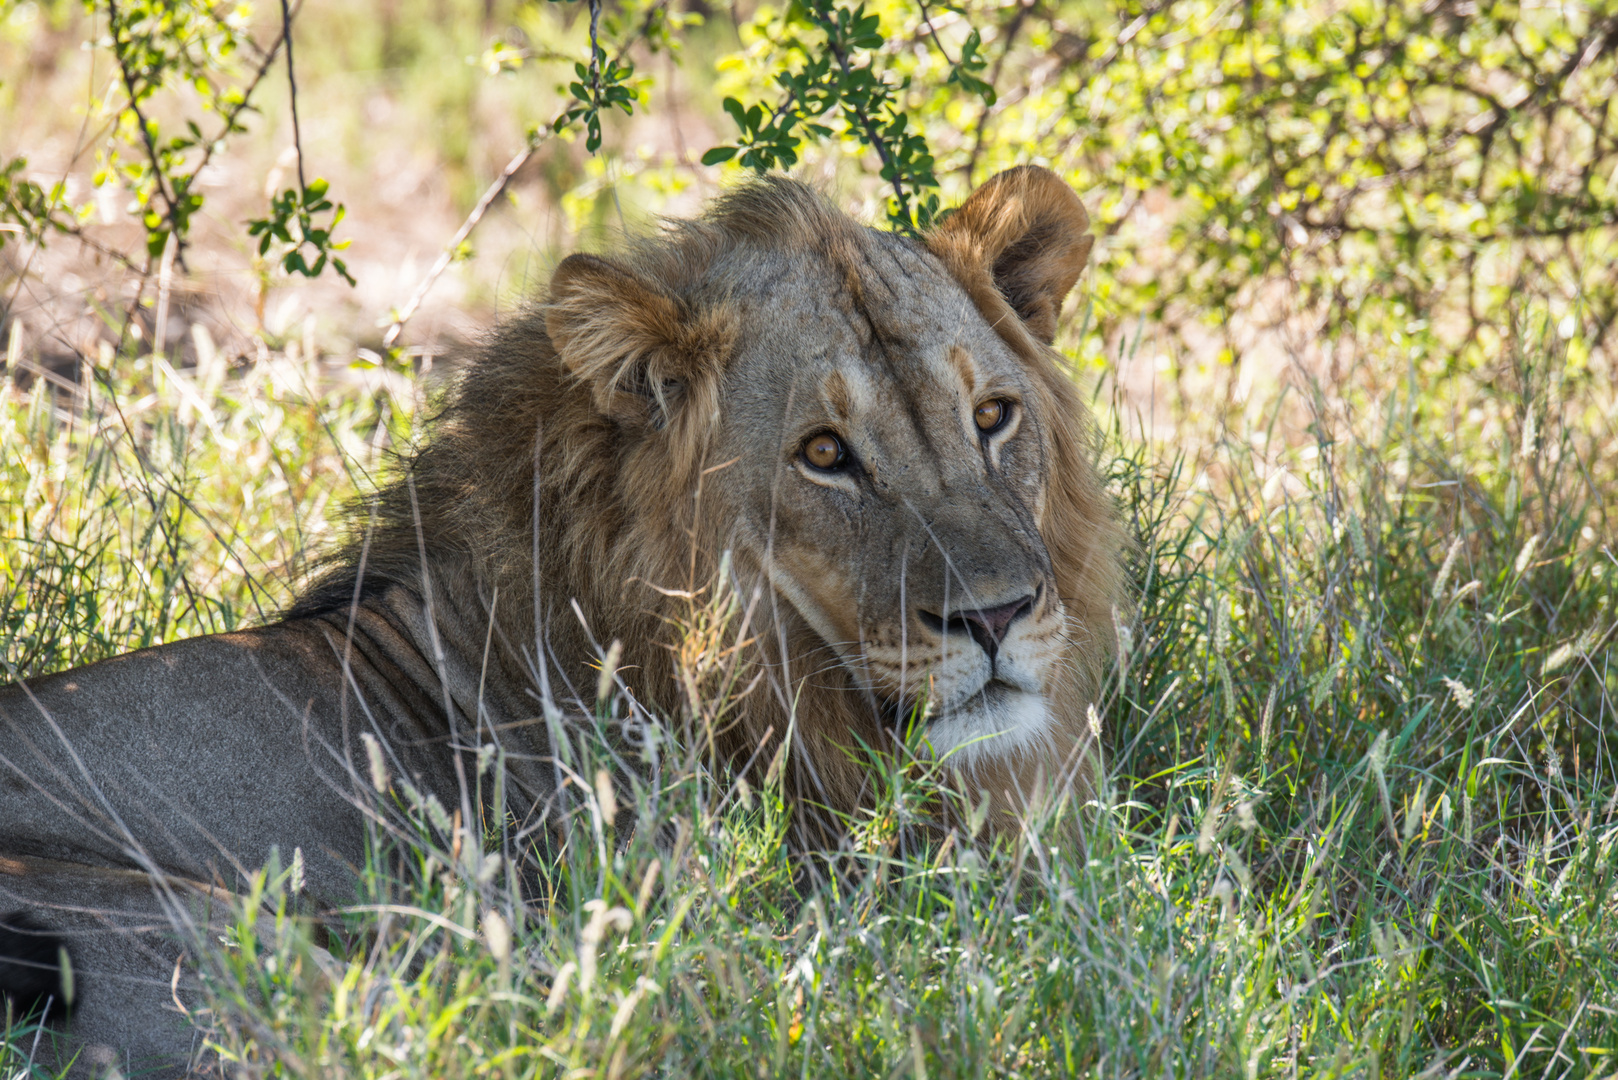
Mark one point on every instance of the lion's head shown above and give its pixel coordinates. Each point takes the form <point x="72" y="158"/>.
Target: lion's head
<point x="874" y="427"/>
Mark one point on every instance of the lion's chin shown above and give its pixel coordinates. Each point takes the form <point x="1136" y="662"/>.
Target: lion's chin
<point x="998" y="722"/>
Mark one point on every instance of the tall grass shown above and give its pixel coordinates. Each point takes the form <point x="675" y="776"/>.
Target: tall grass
<point x="142" y="504"/>
<point x="1360" y="814"/>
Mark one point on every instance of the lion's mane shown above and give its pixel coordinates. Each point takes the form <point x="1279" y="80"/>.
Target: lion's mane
<point x="529" y="489"/>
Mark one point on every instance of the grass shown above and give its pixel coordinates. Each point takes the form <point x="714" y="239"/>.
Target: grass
<point x="1360" y="819"/>
<point x="158" y="504"/>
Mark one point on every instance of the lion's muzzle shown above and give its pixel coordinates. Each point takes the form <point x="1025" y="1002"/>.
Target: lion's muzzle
<point x="986" y="626"/>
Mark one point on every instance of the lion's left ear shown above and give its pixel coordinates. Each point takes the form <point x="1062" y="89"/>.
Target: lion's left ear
<point x="646" y="355"/>
<point x="1021" y="241"/>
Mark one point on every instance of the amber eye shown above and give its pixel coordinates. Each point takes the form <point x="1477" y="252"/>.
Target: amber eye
<point x="991" y="414"/>
<point x="824" y="451"/>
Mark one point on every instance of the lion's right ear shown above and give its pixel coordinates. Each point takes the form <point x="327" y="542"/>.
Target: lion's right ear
<point x="645" y="354"/>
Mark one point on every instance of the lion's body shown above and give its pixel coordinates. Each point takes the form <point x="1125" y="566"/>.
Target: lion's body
<point x="197" y="725"/>
<point x="198" y="759"/>
<point x="606" y="449"/>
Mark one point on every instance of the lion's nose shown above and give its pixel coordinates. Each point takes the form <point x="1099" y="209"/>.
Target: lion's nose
<point x="988" y="626"/>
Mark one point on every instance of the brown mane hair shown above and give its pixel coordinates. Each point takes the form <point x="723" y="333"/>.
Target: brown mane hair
<point x="537" y="483"/>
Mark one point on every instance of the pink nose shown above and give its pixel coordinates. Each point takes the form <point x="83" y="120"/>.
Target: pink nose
<point x="997" y="620"/>
<point x="988" y="626"/>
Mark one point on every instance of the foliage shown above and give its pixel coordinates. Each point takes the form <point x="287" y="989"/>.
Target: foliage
<point x="1424" y="168"/>
<point x="816" y="66"/>
<point x="1430" y="169"/>
<point x="27" y="208"/>
<point x="1427" y="169"/>
<point x="604" y="84"/>
<point x="164" y="52"/>
<point x="292" y="223"/>
<point x="152" y="43"/>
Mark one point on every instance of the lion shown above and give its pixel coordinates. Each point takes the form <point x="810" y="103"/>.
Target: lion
<point x="868" y="431"/>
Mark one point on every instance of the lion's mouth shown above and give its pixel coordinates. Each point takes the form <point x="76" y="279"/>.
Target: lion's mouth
<point x="1001" y="686"/>
<point x="1001" y="720"/>
<point x="996" y="696"/>
<point x="991" y="694"/>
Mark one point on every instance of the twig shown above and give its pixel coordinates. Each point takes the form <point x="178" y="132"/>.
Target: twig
<point x="595" y="52"/>
<point x="927" y="21"/>
<point x="444" y="257"/>
<point x="247" y="93"/>
<point x="1008" y="38"/>
<point x="867" y="122"/>
<point x="404" y="314"/>
<point x="292" y="85"/>
<point x="145" y="129"/>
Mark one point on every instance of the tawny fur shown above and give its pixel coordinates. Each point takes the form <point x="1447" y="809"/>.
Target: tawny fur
<point x="606" y="412"/>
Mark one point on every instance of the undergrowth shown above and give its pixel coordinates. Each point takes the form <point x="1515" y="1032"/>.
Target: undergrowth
<point x="1359" y="820"/>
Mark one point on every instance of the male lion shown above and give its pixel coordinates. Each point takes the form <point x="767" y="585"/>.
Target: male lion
<point x="874" y="427"/>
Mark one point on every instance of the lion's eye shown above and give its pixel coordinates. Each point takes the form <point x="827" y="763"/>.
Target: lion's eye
<point x="824" y="451"/>
<point x="991" y="415"/>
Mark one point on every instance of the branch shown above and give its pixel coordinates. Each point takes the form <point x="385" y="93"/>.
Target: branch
<point x="441" y="264"/>
<point x="1008" y="38"/>
<point x="866" y="122"/>
<point x="292" y="84"/>
<point x="145" y="130"/>
<point x="595" y="52"/>
<point x="247" y="93"/>
<point x="927" y="21"/>
<point x="501" y="182"/>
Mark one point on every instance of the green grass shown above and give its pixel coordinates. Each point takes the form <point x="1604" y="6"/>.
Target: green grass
<point x="1360" y="820"/>
<point x="169" y="504"/>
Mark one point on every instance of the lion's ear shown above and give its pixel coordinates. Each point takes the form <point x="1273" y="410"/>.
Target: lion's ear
<point x="1024" y="234"/>
<point x="644" y="353"/>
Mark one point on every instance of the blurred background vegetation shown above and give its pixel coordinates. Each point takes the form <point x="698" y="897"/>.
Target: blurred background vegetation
<point x="1350" y="330"/>
<point x="1301" y="182"/>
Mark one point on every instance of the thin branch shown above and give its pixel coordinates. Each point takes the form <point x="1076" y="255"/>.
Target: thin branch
<point x="595" y="52"/>
<point x="159" y="176"/>
<point x="448" y="254"/>
<point x="247" y="93"/>
<point x="927" y="21"/>
<point x="866" y="121"/>
<point x="494" y="190"/>
<point x="1008" y="38"/>
<point x="292" y="84"/>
